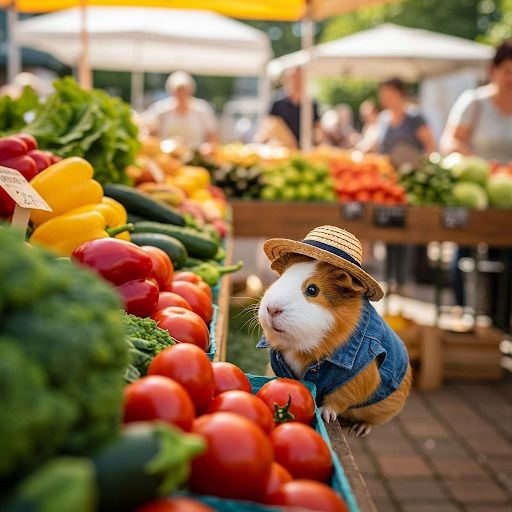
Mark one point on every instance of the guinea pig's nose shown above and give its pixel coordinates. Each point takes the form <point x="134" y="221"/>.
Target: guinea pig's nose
<point x="274" y="310"/>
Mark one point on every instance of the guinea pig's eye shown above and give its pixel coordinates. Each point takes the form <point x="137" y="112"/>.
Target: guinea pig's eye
<point x="312" y="290"/>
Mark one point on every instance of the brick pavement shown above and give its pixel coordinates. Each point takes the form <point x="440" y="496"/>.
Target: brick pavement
<point x="448" y="451"/>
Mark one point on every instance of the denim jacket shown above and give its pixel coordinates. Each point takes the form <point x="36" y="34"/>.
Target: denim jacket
<point x="372" y="339"/>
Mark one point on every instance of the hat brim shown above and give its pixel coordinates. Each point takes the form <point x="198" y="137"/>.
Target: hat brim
<point x="274" y="248"/>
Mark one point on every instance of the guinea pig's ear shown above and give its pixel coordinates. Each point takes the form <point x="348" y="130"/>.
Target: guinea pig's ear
<point x="347" y="283"/>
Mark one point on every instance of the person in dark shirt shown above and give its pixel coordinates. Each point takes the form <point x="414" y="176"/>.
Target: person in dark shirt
<point x="288" y="108"/>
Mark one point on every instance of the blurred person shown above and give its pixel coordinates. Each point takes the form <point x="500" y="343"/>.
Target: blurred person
<point x="337" y="127"/>
<point x="283" y="119"/>
<point x="405" y="137"/>
<point x="480" y="122"/>
<point x="403" y="131"/>
<point x="369" y="114"/>
<point x="182" y="116"/>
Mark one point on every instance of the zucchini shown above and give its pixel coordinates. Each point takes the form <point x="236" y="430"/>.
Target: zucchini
<point x="133" y="218"/>
<point x="147" y="460"/>
<point x="197" y="244"/>
<point x="171" y="246"/>
<point x="143" y="204"/>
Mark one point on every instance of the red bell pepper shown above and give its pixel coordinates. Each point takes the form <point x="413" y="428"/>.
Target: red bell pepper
<point x="11" y="147"/>
<point x="126" y="266"/>
<point x="7" y="204"/>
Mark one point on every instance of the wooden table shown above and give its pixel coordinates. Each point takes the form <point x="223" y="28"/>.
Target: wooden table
<point x="423" y="224"/>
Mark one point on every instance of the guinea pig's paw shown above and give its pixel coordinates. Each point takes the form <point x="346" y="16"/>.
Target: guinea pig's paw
<point x="328" y="413"/>
<point x="359" y="430"/>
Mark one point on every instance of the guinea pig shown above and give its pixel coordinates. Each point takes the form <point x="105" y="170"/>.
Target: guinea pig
<point x="320" y="327"/>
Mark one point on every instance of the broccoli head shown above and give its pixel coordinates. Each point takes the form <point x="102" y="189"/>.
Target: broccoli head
<point x="67" y="356"/>
<point x="145" y="340"/>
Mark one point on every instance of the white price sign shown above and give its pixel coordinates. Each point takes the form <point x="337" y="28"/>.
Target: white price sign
<point x="15" y="184"/>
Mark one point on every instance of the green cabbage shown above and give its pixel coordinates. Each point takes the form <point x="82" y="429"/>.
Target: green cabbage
<point x="470" y="168"/>
<point x="470" y="195"/>
<point x="499" y="188"/>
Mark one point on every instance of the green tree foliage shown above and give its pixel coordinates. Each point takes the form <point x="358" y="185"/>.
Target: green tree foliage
<point x="502" y="29"/>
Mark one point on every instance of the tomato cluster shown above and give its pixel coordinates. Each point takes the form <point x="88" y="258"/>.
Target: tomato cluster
<point x="184" y="305"/>
<point x="260" y="447"/>
<point x="367" y="184"/>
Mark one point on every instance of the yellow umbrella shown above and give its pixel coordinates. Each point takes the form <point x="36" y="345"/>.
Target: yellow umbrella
<point x="282" y="10"/>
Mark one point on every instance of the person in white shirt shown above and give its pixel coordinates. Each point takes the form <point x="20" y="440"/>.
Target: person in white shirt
<point x="182" y="117"/>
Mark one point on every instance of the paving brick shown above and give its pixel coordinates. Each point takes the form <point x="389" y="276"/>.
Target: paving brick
<point x="430" y="506"/>
<point x="376" y="488"/>
<point x="457" y="467"/>
<point x="403" y="466"/>
<point x="476" y="491"/>
<point x="384" y="505"/>
<point x="366" y="465"/>
<point x="501" y="464"/>
<point x="399" y="446"/>
<point x="416" y="488"/>
<point x="425" y="429"/>
<point x="491" y="445"/>
<point x="443" y="448"/>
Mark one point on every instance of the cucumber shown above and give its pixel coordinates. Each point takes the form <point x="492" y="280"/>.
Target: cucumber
<point x="133" y="218"/>
<point x="147" y="460"/>
<point x="171" y="246"/>
<point x="197" y="244"/>
<point x="143" y="204"/>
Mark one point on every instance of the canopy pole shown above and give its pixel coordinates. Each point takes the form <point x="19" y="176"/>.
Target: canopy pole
<point x="263" y="95"/>
<point x="137" y="90"/>
<point x="84" y="68"/>
<point x="13" y="49"/>
<point x="306" y="105"/>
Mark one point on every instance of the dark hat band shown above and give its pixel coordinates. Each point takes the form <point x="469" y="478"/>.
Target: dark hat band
<point x="332" y="250"/>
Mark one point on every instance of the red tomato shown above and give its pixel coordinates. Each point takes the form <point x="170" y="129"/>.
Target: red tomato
<point x="28" y="140"/>
<point x="228" y="376"/>
<point x="184" y="326"/>
<point x="162" y="265"/>
<point x="169" y="299"/>
<point x="158" y="398"/>
<point x="302" y="451"/>
<point x="245" y="404"/>
<point x="178" y="504"/>
<point x="278" y="477"/>
<point x="308" y="495"/>
<point x="190" y="277"/>
<point x="279" y="391"/>
<point x="11" y="147"/>
<point x="198" y="300"/>
<point x="189" y="366"/>
<point x="24" y="164"/>
<point x="237" y="461"/>
<point x="206" y="288"/>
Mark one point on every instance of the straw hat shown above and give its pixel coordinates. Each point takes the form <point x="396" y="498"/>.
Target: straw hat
<point x="332" y="245"/>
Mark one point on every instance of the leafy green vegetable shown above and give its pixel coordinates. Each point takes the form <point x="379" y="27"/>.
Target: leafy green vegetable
<point x="61" y="484"/>
<point x="63" y="355"/>
<point x="13" y="111"/>
<point x="145" y="340"/>
<point x="90" y="124"/>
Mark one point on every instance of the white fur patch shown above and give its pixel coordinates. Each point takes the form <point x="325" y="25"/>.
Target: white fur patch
<point x="304" y="324"/>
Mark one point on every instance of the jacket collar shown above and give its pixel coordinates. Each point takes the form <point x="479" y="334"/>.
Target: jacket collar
<point x="345" y="356"/>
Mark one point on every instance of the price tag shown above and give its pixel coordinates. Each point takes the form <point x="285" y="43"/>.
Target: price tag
<point x="389" y="216"/>
<point x="25" y="196"/>
<point x="352" y="210"/>
<point x="455" y="217"/>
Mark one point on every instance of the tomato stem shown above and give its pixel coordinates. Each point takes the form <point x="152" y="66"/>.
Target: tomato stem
<point x="282" y="413"/>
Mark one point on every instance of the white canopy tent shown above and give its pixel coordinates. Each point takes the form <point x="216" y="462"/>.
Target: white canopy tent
<point x="389" y="50"/>
<point x="151" y="40"/>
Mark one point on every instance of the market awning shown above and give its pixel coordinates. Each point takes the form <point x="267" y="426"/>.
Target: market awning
<point x="284" y="10"/>
<point x="151" y="40"/>
<point x="389" y="50"/>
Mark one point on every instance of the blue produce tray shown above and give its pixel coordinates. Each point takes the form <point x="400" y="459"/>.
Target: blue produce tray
<point x="338" y="482"/>
<point x="213" y="328"/>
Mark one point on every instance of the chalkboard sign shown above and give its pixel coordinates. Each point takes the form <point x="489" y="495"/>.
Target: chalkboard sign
<point x="352" y="210"/>
<point x="389" y="216"/>
<point x="455" y="217"/>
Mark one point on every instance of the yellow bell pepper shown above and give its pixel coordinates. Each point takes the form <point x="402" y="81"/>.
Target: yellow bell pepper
<point x="115" y="215"/>
<point x="192" y="179"/>
<point x="65" y="185"/>
<point x="65" y="233"/>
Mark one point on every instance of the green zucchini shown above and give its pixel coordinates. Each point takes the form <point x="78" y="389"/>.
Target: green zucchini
<point x="143" y="204"/>
<point x="196" y="243"/>
<point x="133" y="218"/>
<point x="171" y="246"/>
<point x="146" y="461"/>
